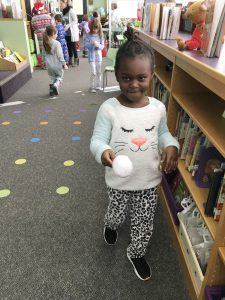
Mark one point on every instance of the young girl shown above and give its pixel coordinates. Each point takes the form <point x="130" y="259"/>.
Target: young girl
<point x="94" y="42"/>
<point x="134" y="125"/>
<point x="61" y="36"/>
<point x="54" y="59"/>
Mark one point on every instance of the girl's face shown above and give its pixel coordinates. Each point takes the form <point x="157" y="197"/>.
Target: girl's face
<point x="134" y="77"/>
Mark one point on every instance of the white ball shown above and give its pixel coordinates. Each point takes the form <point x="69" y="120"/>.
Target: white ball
<point x="122" y="166"/>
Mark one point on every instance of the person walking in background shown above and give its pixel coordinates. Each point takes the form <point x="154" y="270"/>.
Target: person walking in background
<point x="134" y="125"/>
<point x="72" y="31"/>
<point x="54" y="59"/>
<point x="40" y="20"/>
<point x="84" y="28"/>
<point x="94" y="42"/>
<point x="61" y="36"/>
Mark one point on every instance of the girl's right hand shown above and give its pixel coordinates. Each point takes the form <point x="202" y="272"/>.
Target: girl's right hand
<point x="108" y="157"/>
<point x="65" y="67"/>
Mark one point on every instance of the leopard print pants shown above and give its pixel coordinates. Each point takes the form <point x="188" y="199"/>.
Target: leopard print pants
<point x="142" y="206"/>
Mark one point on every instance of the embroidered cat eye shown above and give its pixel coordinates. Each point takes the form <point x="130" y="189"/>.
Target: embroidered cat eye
<point x="150" y="129"/>
<point x="127" y="130"/>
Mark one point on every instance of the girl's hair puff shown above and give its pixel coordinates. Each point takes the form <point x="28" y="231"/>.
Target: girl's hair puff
<point x="96" y="25"/>
<point x="49" y="32"/>
<point x="132" y="48"/>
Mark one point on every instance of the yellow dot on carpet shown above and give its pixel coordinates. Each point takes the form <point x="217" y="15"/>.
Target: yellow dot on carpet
<point x="6" y="123"/>
<point x="43" y="123"/>
<point x="4" y="193"/>
<point x="20" y="161"/>
<point x="62" y="190"/>
<point x="77" y="122"/>
<point x="68" y="163"/>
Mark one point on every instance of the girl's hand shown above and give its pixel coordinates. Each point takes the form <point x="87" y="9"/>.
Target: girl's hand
<point x="169" y="159"/>
<point x="108" y="157"/>
<point x="65" y="67"/>
<point x="66" y="27"/>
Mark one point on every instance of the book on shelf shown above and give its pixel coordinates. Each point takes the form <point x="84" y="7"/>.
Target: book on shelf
<point x="209" y="160"/>
<point x="220" y="200"/>
<point x="193" y="165"/>
<point x="162" y="18"/>
<point x="217" y="177"/>
<point x="191" y="147"/>
<point x="159" y="91"/>
<point x="214" y="28"/>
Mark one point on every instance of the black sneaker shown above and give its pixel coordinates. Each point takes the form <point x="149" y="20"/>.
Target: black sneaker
<point x="55" y="89"/>
<point x="141" y="268"/>
<point x="51" y="93"/>
<point x="110" y="236"/>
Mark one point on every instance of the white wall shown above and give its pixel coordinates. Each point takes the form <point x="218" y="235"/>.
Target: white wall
<point x="78" y="7"/>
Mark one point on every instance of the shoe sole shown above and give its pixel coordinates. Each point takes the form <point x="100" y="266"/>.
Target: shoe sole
<point x="106" y="241"/>
<point x="136" y="272"/>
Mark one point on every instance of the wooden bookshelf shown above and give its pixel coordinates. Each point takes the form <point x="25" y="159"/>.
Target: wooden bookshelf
<point x="222" y="254"/>
<point x="197" y="85"/>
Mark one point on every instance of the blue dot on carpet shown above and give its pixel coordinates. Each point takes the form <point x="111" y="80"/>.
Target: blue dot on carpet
<point x="76" y="138"/>
<point x="35" y="140"/>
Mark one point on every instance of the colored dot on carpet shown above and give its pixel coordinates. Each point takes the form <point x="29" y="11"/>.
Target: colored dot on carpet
<point x="62" y="190"/>
<point x="6" y="123"/>
<point x="43" y="123"/>
<point x="48" y="110"/>
<point x="20" y="161"/>
<point x="77" y="122"/>
<point x="35" y="140"/>
<point x="82" y="110"/>
<point x="17" y="112"/>
<point x="68" y="163"/>
<point x="4" y="193"/>
<point x="76" y="138"/>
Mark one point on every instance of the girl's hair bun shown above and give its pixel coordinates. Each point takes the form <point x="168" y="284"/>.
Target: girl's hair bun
<point x="130" y="34"/>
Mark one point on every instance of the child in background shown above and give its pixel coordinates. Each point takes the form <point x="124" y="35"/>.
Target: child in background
<point x="94" y="42"/>
<point x="135" y="125"/>
<point x="61" y="36"/>
<point x="54" y="59"/>
<point x="84" y="28"/>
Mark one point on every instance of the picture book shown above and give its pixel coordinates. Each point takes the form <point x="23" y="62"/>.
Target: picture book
<point x="216" y="180"/>
<point x="220" y="200"/>
<point x="209" y="160"/>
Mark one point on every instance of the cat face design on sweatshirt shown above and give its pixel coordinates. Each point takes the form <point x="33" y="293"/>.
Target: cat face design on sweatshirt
<point x="136" y="139"/>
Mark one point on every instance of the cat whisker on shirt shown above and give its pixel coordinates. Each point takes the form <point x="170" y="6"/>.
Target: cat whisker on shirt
<point x="121" y="143"/>
<point x="119" y="146"/>
<point x="118" y="151"/>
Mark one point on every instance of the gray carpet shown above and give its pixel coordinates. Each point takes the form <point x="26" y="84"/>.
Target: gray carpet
<point x="51" y="245"/>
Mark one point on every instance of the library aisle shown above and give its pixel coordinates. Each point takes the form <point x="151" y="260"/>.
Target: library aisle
<point x="51" y="218"/>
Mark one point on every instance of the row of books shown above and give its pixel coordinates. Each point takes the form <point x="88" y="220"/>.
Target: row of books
<point x="163" y="19"/>
<point x="203" y="161"/>
<point x="159" y="91"/>
<point x="214" y="29"/>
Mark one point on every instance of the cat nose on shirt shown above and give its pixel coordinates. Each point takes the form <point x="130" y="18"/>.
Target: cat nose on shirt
<point x="139" y="141"/>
